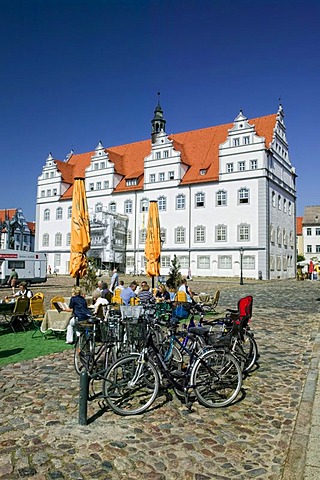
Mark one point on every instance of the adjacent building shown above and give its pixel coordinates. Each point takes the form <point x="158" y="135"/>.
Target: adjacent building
<point x="15" y="232"/>
<point x="310" y="226"/>
<point x="226" y="197"/>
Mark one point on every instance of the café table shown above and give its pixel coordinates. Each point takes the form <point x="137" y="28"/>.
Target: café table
<point x="55" y="321"/>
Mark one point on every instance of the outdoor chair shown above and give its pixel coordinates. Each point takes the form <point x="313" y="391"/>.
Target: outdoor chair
<point x="56" y="299"/>
<point x="210" y="305"/>
<point x="21" y="314"/>
<point x="37" y="311"/>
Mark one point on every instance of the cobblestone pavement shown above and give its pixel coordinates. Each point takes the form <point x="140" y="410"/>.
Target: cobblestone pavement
<point x="262" y="436"/>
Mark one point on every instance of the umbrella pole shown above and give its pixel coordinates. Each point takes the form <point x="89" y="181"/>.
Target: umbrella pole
<point x="152" y="282"/>
<point x="77" y="280"/>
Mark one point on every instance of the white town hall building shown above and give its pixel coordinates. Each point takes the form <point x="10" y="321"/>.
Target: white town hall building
<point x="226" y="197"/>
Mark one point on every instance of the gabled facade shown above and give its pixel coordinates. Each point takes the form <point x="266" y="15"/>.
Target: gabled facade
<point x="226" y="198"/>
<point x="15" y="232"/>
<point x="311" y="233"/>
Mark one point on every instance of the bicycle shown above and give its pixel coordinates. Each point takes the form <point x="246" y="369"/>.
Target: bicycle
<point x="132" y="383"/>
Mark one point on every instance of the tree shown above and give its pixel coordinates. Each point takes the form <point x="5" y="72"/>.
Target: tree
<point x="174" y="279"/>
<point x="89" y="282"/>
<point x="300" y="258"/>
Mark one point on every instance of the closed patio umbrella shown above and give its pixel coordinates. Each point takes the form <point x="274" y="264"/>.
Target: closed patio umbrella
<point x="153" y="241"/>
<point x="80" y="230"/>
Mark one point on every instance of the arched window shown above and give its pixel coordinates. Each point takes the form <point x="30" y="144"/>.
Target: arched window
<point x="272" y="234"/>
<point x="180" y="235"/>
<point x="199" y="199"/>
<point x="200" y="234"/>
<point x="59" y="213"/>
<point x="58" y="239"/>
<point x="273" y="199"/>
<point x="113" y="207"/>
<point x="45" y="240"/>
<point x="98" y="207"/>
<point x="221" y="233"/>
<point x="162" y="204"/>
<point x="69" y="211"/>
<point x="128" y="206"/>
<point x="163" y="235"/>
<point x="144" y="205"/>
<point x="68" y="239"/>
<point x="46" y="214"/>
<point x="221" y="198"/>
<point x="243" y="195"/>
<point x="180" y="202"/>
<point x="243" y="232"/>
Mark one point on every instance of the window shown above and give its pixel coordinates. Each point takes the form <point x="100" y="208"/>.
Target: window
<point x="166" y="154"/>
<point x="180" y="235"/>
<point x="272" y="262"/>
<point x="272" y="234"/>
<point x="129" y="237"/>
<point x="98" y="185"/>
<point x="58" y="239"/>
<point x="203" y="171"/>
<point x="279" y="202"/>
<point x="51" y="174"/>
<point x="96" y="166"/>
<point x="152" y="177"/>
<point x="54" y="192"/>
<point x="273" y="196"/>
<point x="45" y="240"/>
<point x="241" y="166"/>
<point x="285" y="237"/>
<point x="165" y="261"/>
<point x="221" y="198"/>
<point x="244" y="232"/>
<point x="112" y="207"/>
<point x="180" y="202"/>
<point x="70" y="212"/>
<point x="285" y="205"/>
<point x="171" y="175"/>
<point x="221" y="233"/>
<point x="236" y="142"/>
<point x="309" y="248"/>
<point x="199" y="200"/>
<point x="248" y="262"/>
<point x="48" y="193"/>
<point x="42" y="193"/>
<point x="291" y="240"/>
<point x="106" y="184"/>
<point x="161" y="177"/>
<point x="243" y="195"/>
<point x="142" y="235"/>
<point x="57" y="259"/>
<point x="246" y="140"/>
<point x="102" y="165"/>
<point x="130" y="182"/>
<point x="98" y="207"/>
<point x="317" y="248"/>
<point x="163" y="235"/>
<point x="59" y="213"/>
<point x="200" y="234"/>
<point x="130" y="261"/>
<point x="183" y="261"/>
<point x="290" y="209"/>
<point x="128" y="206"/>
<point x="278" y="262"/>
<point x="279" y="237"/>
<point x="229" y="167"/>
<point x="285" y="262"/>
<point x="309" y="232"/>
<point x="158" y="155"/>
<point x="254" y="164"/>
<point x="225" y="261"/>
<point x="203" y="261"/>
<point x="46" y="175"/>
<point x="68" y="241"/>
<point x="162" y="204"/>
<point x="46" y="214"/>
<point x="144" y="205"/>
<point x="91" y="186"/>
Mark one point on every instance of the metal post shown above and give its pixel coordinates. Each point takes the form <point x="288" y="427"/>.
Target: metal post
<point x="83" y="397"/>
<point x="241" y="272"/>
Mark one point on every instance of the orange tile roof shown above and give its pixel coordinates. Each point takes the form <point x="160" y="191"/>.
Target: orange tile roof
<point x="7" y="213"/>
<point x="32" y="227"/>
<point x="299" y="221"/>
<point x="199" y="150"/>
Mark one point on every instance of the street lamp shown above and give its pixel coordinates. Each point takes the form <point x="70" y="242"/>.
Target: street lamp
<point x="241" y="273"/>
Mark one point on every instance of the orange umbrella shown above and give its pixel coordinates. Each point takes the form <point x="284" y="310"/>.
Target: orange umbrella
<point x="80" y="230"/>
<point x="153" y="242"/>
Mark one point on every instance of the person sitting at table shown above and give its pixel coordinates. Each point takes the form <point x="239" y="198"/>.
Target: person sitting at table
<point x="145" y="295"/>
<point x="23" y="291"/>
<point x="98" y="300"/>
<point x="128" y="293"/>
<point x="162" y="294"/>
<point x="78" y="306"/>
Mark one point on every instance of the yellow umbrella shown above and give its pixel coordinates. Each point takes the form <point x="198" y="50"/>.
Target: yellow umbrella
<point x="153" y="242"/>
<point x="80" y="230"/>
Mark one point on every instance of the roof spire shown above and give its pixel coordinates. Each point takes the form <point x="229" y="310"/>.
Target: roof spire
<point x="158" y="122"/>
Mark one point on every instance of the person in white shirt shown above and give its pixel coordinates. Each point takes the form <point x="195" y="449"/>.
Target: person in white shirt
<point x="98" y="300"/>
<point x="24" y="291"/>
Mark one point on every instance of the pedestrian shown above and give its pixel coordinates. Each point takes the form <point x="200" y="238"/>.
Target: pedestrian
<point x="13" y="280"/>
<point x="114" y="280"/>
<point x="55" y="271"/>
<point x="49" y="269"/>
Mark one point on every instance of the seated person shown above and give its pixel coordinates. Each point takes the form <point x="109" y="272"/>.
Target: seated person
<point x="163" y="294"/>
<point x="104" y="290"/>
<point x="128" y="293"/>
<point x="23" y="291"/>
<point x="185" y="288"/>
<point x="145" y="295"/>
<point x="78" y="306"/>
<point x="98" y="300"/>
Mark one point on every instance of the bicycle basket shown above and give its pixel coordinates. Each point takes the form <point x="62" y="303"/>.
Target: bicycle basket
<point x="131" y="313"/>
<point x="136" y="331"/>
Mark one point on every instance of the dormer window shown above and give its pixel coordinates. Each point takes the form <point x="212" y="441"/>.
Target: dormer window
<point x="236" y="142"/>
<point x="131" y="182"/>
<point x="158" y="155"/>
<point x="166" y="154"/>
<point x="203" y="171"/>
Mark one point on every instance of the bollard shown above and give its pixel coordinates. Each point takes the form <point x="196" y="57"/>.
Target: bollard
<point x="83" y="397"/>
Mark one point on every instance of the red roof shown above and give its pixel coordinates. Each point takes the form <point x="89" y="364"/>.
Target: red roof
<point x="199" y="150"/>
<point x="7" y="214"/>
<point x="299" y="221"/>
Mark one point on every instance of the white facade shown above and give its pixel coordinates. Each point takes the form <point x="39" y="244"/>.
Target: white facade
<point x="311" y="233"/>
<point x="211" y="202"/>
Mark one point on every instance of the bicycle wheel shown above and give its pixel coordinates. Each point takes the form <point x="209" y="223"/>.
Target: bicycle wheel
<point x="217" y="379"/>
<point x="83" y="353"/>
<point x="250" y="349"/>
<point x="130" y="387"/>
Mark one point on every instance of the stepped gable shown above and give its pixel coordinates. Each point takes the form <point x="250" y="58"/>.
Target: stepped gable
<point x="199" y="150"/>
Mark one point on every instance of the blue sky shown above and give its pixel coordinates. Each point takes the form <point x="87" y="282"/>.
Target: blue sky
<point x="74" y="72"/>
